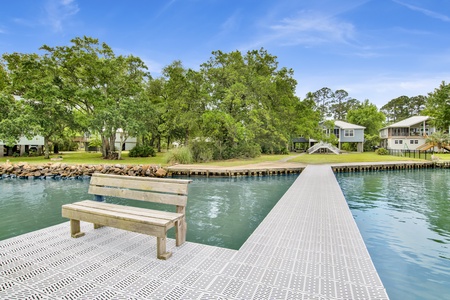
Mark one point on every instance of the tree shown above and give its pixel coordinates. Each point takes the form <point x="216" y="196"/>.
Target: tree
<point x="438" y="106"/>
<point x="323" y="99"/>
<point x="341" y="105"/>
<point x="35" y="79"/>
<point x="366" y="114"/>
<point x="253" y="99"/>
<point x="439" y="139"/>
<point x="184" y="100"/>
<point x="403" y="107"/>
<point x="101" y="85"/>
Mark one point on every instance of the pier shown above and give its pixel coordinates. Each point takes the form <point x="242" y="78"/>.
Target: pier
<point x="307" y="247"/>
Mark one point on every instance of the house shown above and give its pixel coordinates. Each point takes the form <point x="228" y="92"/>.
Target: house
<point x="23" y="146"/>
<point x="348" y="133"/>
<point x="409" y="134"/>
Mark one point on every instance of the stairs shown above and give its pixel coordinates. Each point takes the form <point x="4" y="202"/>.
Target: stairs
<point x="323" y="145"/>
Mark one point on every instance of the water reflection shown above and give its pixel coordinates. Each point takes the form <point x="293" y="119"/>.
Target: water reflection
<point x="404" y="217"/>
<point x="221" y="211"/>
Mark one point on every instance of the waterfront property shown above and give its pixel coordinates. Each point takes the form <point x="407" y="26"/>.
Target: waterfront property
<point x="349" y="133"/>
<point x="408" y="134"/>
<point x="307" y="247"/>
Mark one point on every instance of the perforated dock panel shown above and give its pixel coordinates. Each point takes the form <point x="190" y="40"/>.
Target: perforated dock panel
<point x="308" y="247"/>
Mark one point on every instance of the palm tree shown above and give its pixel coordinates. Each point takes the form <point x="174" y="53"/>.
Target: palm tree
<point x="438" y="139"/>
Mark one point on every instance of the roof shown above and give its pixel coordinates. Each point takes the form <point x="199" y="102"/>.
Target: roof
<point x="411" y="121"/>
<point x="345" y="125"/>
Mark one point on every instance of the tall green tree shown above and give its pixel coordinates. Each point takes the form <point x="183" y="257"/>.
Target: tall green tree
<point x="366" y="114"/>
<point x="185" y="101"/>
<point x="101" y="85"/>
<point x="403" y="107"/>
<point x="438" y="106"/>
<point x="35" y="79"/>
<point x="254" y="97"/>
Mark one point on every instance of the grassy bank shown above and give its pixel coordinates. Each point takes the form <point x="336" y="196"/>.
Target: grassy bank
<point x="95" y="158"/>
<point x="89" y="158"/>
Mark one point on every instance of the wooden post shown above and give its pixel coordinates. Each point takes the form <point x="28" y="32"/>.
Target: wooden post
<point x="161" y="248"/>
<point x="75" y="231"/>
<point x="181" y="227"/>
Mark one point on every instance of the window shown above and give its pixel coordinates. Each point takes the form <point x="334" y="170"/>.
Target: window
<point x="349" y="132"/>
<point x="411" y="142"/>
<point x="416" y="142"/>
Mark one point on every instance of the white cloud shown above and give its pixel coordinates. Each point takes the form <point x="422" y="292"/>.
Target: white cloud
<point x="424" y="11"/>
<point x="312" y="28"/>
<point x="231" y="23"/>
<point x="307" y="29"/>
<point x="378" y="88"/>
<point x="59" y="11"/>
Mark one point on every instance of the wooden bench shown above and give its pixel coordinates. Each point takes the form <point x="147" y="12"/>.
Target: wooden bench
<point x="141" y="220"/>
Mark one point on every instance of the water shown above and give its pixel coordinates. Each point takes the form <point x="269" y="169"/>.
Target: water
<point x="404" y="218"/>
<point x="220" y="212"/>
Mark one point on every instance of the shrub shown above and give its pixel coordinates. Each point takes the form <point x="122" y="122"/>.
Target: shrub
<point x="142" y="151"/>
<point x="180" y="155"/>
<point x="202" y="151"/>
<point x="381" y="151"/>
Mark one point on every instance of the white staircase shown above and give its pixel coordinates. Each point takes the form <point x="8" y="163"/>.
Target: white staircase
<point x="323" y="145"/>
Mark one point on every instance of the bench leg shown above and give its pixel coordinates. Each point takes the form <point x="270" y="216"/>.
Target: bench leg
<point x="161" y="248"/>
<point x="75" y="231"/>
<point x="97" y="226"/>
<point x="180" y="232"/>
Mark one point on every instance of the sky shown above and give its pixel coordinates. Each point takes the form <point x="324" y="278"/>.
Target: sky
<point x="374" y="49"/>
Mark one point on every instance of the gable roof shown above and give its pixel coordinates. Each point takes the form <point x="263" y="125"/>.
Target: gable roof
<point x="345" y="125"/>
<point x="411" y="121"/>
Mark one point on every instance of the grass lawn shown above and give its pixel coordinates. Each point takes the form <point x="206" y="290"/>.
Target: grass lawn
<point x="443" y="156"/>
<point x="82" y="157"/>
<point x="89" y="158"/>
<point x="348" y="158"/>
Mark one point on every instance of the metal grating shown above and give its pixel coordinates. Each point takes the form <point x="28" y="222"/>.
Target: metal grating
<point x="308" y="247"/>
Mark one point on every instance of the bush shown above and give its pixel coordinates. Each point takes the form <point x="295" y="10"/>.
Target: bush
<point x="180" y="155"/>
<point x="202" y="151"/>
<point x="142" y="151"/>
<point x="381" y="151"/>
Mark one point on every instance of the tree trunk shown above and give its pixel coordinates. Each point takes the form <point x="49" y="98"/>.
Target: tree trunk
<point x="186" y="138"/>
<point x="46" y="148"/>
<point x="55" y="149"/>
<point x="105" y="146"/>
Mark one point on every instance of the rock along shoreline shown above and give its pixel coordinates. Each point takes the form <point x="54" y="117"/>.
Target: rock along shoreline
<point x="62" y="170"/>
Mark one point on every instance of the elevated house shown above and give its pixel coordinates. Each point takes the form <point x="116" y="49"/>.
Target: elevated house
<point x="348" y="133"/>
<point x="409" y="134"/>
<point x="345" y="133"/>
<point x="23" y="146"/>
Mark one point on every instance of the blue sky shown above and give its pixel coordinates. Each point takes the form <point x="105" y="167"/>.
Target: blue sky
<point x="374" y="49"/>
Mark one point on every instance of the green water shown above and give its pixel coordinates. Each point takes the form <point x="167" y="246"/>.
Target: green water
<point x="221" y="211"/>
<point x="404" y="218"/>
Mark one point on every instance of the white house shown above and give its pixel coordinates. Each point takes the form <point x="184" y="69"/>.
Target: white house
<point x="24" y="145"/>
<point x="409" y="134"/>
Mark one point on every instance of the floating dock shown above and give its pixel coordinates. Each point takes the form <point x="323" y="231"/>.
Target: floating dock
<point x="307" y="247"/>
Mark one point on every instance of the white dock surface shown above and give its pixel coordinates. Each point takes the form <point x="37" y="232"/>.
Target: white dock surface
<point x="308" y="247"/>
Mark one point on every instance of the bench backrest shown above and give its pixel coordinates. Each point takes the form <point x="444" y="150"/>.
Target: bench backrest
<point x="159" y="190"/>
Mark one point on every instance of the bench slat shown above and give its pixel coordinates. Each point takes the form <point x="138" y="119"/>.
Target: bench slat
<point x="126" y="224"/>
<point x="138" y="195"/>
<point x="171" y="216"/>
<point x="178" y="187"/>
<point x="116" y="215"/>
